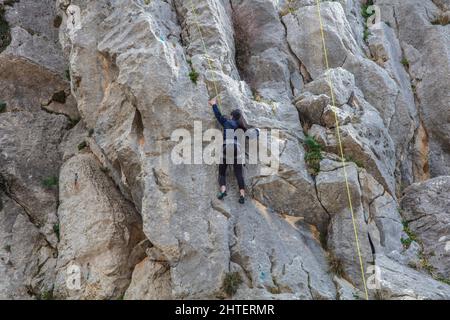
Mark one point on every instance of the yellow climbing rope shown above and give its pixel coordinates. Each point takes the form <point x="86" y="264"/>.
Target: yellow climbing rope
<point x="206" y="53"/>
<point x="341" y="150"/>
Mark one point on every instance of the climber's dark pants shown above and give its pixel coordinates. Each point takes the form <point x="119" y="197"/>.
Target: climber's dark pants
<point x="238" y="170"/>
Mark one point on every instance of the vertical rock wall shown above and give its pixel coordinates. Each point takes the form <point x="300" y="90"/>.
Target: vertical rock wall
<point x="86" y="176"/>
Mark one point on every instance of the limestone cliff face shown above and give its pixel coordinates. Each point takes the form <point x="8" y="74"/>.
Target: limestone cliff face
<point x="91" y="92"/>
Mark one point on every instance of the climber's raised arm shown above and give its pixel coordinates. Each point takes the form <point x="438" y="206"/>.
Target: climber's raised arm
<point x="219" y="116"/>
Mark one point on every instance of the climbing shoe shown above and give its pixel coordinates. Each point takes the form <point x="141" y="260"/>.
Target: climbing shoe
<point x="221" y="195"/>
<point x="241" y="199"/>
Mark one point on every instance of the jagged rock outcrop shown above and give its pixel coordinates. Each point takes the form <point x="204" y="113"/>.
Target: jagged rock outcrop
<point x="390" y="95"/>
<point x="87" y="176"/>
<point x="98" y="231"/>
<point x="27" y="260"/>
<point x="402" y="283"/>
<point x="151" y="281"/>
<point x="426" y="54"/>
<point x="363" y="135"/>
<point x="426" y="208"/>
<point x="34" y="71"/>
<point x="31" y="68"/>
<point x="29" y="165"/>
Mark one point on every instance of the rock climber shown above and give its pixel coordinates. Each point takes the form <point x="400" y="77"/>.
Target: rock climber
<point x="236" y="122"/>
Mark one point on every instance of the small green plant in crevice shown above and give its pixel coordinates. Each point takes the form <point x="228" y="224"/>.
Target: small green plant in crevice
<point x="356" y="296"/>
<point x="7" y="248"/>
<point x="336" y="265"/>
<point x="5" y="34"/>
<point x="67" y="75"/>
<point x="425" y="264"/>
<point x="3" y="106"/>
<point x="50" y="182"/>
<point x="405" y="62"/>
<point x="231" y="283"/>
<point x="56" y="230"/>
<point x="193" y="75"/>
<point x="82" y="145"/>
<point x="313" y="155"/>
<point x="411" y="236"/>
<point x="45" y="295"/>
<point x="366" y="33"/>
<point x="406" y="242"/>
<point x="444" y="280"/>
<point x="366" y="15"/>
<point x="288" y="9"/>
<point x="364" y="9"/>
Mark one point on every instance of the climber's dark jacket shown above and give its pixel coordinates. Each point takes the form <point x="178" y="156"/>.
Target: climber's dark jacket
<point x="226" y="123"/>
<point x="232" y="125"/>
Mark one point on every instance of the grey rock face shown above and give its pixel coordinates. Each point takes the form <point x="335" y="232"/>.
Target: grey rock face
<point x="291" y="191"/>
<point x="428" y="59"/>
<point x="29" y="165"/>
<point x="387" y="88"/>
<point x="338" y="36"/>
<point x="104" y="195"/>
<point x="444" y="5"/>
<point x="32" y="66"/>
<point x="345" y="289"/>
<point x="402" y="283"/>
<point x="311" y="107"/>
<point x="27" y="260"/>
<point x="151" y="281"/>
<point x="98" y="230"/>
<point x="341" y="236"/>
<point x="363" y="135"/>
<point x="272" y="254"/>
<point x="382" y="209"/>
<point x="265" y="61"/>
<point x="377" y="220"/>
<point x="342" y="83"/>
<point x="387" y="52"/>
<point x="426" y="206"/>
<point x="24" y="13"/>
